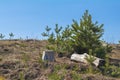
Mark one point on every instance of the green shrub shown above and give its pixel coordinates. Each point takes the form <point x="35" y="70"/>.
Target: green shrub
<point x="25" y="58"/>
<point x="100" y="52"/>
<point x="115" y="71"/>
<point x="75" y="76"/>
<point x="112" y="71"/>
<point x="55" y="76"/>
<point x="90" y="60"/>
<point x="21" y="75"/>
<point x="57" y="68"/>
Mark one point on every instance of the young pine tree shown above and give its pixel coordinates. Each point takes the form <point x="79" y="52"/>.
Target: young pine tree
<point x="58" y="37"/>
<point x="86" y="34"/>
<point x="1" y="36"/>
<point x="66" y="34"/>
<point x="11" y="35"/>
<point x="47" y="32"/>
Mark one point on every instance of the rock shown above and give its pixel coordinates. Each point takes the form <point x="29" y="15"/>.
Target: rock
<point x="82" y="58"/>
<point x="48" y="56"/>
<point x="79" y="57"/>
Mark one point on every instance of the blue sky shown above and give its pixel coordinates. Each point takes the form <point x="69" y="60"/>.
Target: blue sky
<point x="30" y="17"/>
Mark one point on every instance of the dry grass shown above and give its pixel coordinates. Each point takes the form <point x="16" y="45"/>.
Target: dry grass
<point x="18" y="57"/>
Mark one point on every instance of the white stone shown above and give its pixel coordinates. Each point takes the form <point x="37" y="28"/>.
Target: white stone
<point x="79" y="57"/>
<point x="82" y="58"/>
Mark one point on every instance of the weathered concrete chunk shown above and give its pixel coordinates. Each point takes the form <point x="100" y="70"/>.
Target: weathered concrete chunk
<point x="48" y="55"/>
<point x="82" y="58"/>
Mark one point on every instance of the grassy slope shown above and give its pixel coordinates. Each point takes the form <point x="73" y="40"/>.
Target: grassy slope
<point x="21" y="60"/>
